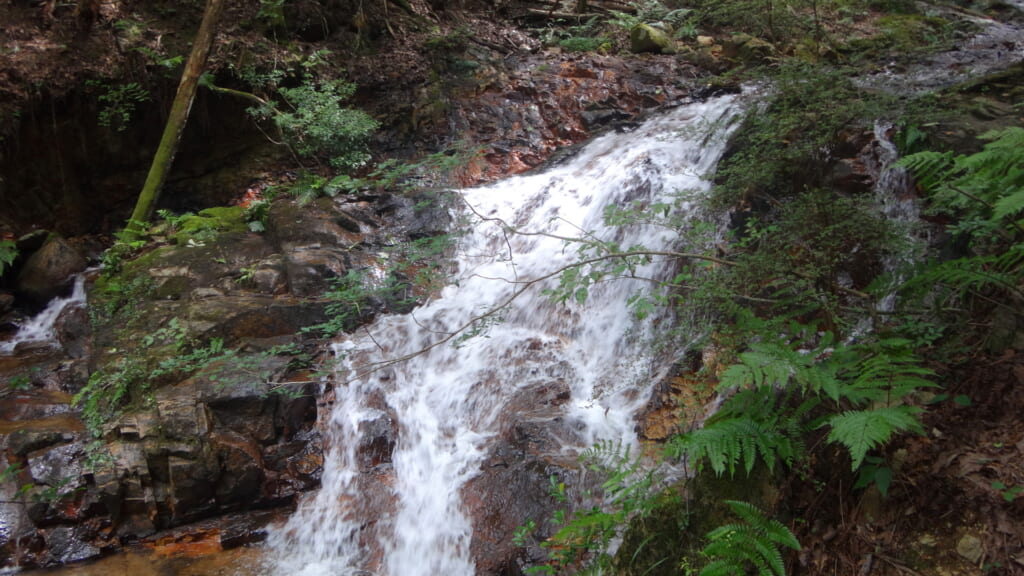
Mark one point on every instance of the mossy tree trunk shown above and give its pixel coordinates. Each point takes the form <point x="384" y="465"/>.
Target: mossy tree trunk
<point x="178" y="116"/>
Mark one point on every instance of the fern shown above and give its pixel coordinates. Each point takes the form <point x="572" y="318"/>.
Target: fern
<point x="976" y="273"/>
<point x="748" y="425"/>
<point x="627" y="486"/>
<point x="987" y="185"/>
<point x="886" y="371"/>
<point x="754" y="424"/>
<point x="863" y="430"/>
<point x="755" y="542"/>
<point x="777" y="363"/>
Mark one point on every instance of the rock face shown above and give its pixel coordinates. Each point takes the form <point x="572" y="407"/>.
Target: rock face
<point x="518" y="108"/>
<point x="197" y="437"/>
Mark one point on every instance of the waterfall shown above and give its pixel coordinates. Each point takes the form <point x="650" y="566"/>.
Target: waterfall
<point x="446" y="397"/>
<point x="41" y="327"/>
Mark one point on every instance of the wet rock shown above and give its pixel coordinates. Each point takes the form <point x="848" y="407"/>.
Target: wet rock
<point x="59" y="467"/>
<point x="66" y="544"/>
<point x="749" y="49"/>
<point x="32" y="241"/>
<point x="191" y="488"/>
<point x="21" y="442"/>
<point x="252" y="317"/>
<point x="48" y="271"/>
<point x="513" y="484"/>
<point x="241" y="465"/>
<point x="648" y="38"/>
<point x="6" y="302"/>
<point x="172" y="288"/>
<point x="311" y="269"/>
<point x="597" y="118"/>
<point x="378" y="437"/>
<point x="74" y="331"/>
<point x="270" y="276"/>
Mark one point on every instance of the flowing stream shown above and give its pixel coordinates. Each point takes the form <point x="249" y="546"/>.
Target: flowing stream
<point x="448" y="397"/>
<point x="40" y="328"/>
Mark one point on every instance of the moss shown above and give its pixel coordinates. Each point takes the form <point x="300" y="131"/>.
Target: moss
<point x="913" y="31"/>
<point x="210" y="222"/>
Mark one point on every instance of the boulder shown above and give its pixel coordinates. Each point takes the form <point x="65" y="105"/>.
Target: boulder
<point x="74" y="331"/>
<point x="48" y="271"/>
<point x="6" y="302"/>
<point x="649" y="38"/>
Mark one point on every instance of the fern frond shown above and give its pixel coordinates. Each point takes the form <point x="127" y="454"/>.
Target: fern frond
<point x="884" y="371"/>
<point x="929" y="168"/>
<point x="726" y="442"/>
<point x="723" y="567"/>
<point x="756" y="541"/>
<point x="972" y="273"/>
<point x="862" y="430"/>
<point x="1009" y="205"/>
<point x="771" y="363"/>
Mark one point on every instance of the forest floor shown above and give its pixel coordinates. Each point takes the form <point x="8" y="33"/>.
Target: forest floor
<point x="955" y="505"/>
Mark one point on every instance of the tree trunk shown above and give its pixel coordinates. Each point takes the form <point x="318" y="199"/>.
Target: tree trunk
<point x="88" y="13"/>
<point x="178" y="116"/>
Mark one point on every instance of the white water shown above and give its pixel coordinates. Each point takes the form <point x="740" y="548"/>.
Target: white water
<point x="41" y="327"/>
<point x="448" y="401"/>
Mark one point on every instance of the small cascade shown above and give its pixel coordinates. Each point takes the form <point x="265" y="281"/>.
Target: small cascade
<point x="442" y="397"/>
<point x="40" y="329"/>
<point x="896" y="198"/>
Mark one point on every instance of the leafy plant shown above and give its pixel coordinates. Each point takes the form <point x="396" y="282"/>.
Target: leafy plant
<point x="754" y="543"/>
<point x="985" y="189"/>
<point x="315" y="122"/>
<point x="118" y="103"/>
<point x="1009" y="493"/>
<point x="256" y="215"/>
<point x="20" y="382"/>
<point x="781" y="385"/>
<point x="10" y="473"/>
<point x="584" y="43"/>
<point x="985" y="192"/>
<point x="103" y="397"/>
<point x="583" y="536"/>
<point x="8" y="253"/>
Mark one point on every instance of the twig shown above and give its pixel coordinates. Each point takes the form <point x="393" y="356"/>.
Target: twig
<point x="897" y="564"/>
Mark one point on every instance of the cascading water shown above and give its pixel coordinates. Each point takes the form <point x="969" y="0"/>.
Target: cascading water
<point x="449" y="400"/>
<point x="41" y="327"/>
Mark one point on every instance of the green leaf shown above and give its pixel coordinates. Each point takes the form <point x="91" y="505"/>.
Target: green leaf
<point x="864" y="430"/>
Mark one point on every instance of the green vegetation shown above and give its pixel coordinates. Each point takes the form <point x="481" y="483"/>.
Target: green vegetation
<point x="118" y="103"/>
<point x="169" y="354"/>
<point x="8" y="253"/>
<point x="806" y="361"/>
<point x="315" y="123"/>
<point x="755" y="542"/>
<point x="984" y="193"/>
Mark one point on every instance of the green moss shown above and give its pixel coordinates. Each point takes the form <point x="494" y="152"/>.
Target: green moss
<point x="208" y="223"/>
<point x="907" y="32"/>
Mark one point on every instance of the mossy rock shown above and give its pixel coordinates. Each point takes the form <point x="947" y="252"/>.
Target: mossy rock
<point x="210" y="222"/>
<point x="647" y="38"/>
